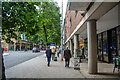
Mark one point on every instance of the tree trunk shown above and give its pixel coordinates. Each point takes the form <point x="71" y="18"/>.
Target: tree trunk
<point x="45" y="33"/>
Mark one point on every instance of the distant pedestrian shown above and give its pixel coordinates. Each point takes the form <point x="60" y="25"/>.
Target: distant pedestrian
<point x="67" y="56"/>
<point x="48" y="54"/>
<point x="2" y="50"/>
<point x="82" y="50"/>
<point x="60" y="50"/>
<point x="53" y="48"/>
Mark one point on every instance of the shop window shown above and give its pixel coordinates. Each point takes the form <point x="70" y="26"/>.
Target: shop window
<point x="114" y="40"/>
<point x="99" y="47"/>
<point x="105" y="46"/>
<point x="119" y="41"/>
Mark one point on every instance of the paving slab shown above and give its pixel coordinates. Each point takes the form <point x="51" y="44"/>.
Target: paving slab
<point x="37" y="68"/>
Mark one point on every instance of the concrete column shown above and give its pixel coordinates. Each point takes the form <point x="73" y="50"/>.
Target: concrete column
<point x="71" y="46"/>
<point x="20" y="46"/>
<point x="92" y="46"/>
<point x="75" y="45"/>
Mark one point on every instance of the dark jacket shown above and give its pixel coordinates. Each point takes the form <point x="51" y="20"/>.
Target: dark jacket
<point x="48" y="53"/>
<point x="67" y="54"/>
<point x="2" y="50"/>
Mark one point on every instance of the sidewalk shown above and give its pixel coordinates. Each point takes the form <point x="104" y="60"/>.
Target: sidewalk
<point x="37" y="68"/>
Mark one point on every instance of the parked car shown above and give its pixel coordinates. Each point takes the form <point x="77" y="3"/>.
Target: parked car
<point x="35" y="49"/>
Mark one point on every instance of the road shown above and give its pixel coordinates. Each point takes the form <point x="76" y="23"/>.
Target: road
<point x="18" y="57"/>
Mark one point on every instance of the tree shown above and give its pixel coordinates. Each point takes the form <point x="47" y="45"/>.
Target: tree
<point x="19" y="17"/>
<point x="25" y="18"/>
<point x="41" y="24"/>
<point x="49" y="18"/>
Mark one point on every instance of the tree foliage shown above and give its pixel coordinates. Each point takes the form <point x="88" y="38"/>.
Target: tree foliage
<point x="39" y="21"/>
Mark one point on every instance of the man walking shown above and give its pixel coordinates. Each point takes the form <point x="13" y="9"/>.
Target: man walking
<point x="48" y="54"/>
<point x="67" y="56"/>
<point x="53" y="48"/>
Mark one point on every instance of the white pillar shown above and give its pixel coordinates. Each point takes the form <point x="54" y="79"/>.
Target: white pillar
<point x="92" y="46"/>
<point x="75" y="45"/>
<point x="68" y="44"/>
<point x="71" y="46"/>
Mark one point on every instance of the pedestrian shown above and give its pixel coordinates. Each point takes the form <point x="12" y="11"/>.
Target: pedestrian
<point x="53" y="49"/>
<point x="67" y="56"/>
<point x="82" y="50"/>
<point x="48" y="55"/>
<point x="2" y="50"/>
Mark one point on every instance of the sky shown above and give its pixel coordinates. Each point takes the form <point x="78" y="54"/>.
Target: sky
<point x="64" y="5"/>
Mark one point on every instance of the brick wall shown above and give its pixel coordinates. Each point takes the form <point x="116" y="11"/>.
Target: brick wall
<point x="74" y="17"/>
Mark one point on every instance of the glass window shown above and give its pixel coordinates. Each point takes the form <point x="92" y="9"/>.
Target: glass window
<point x="118" y="41"/>
<point x="105" y="46"/>
<point x="113" y="45"/>
<point x="99" y="47"/>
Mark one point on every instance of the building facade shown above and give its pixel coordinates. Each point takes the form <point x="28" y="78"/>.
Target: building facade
<point x="96" y="27"/>
<point x="17" y="45"/>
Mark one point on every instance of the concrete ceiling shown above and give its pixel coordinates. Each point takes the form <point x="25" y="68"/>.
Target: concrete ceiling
<point x="78" y="6"/>
<point x="102" y="10"/>
<point x="93" y="13"/>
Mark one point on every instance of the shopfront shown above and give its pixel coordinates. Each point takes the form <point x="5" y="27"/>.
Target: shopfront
<point x="31" y="46"/>
<point x="118" y="41"/>
<point x="11" y="47"/>
<point x="17" y="46"/>
<point x="22" y="46"/>
<point x="86" y="48"/>
<point x="108" y="45"/>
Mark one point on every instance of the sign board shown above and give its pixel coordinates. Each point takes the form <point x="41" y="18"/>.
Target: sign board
<point x="77" y="63"/>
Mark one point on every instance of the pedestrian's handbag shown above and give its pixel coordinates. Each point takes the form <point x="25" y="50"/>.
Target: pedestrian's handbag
<point x="55" y="58"/>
